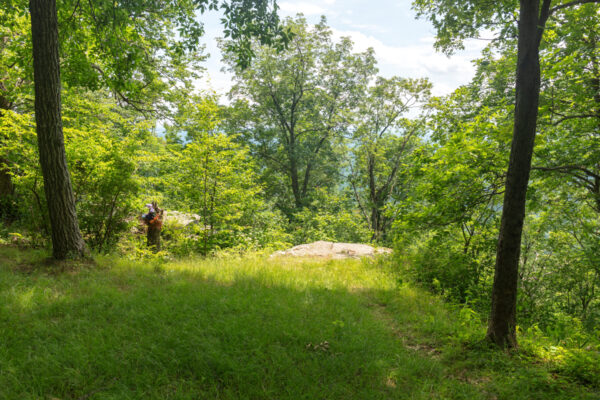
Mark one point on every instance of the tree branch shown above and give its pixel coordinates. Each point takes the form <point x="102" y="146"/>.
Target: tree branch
<point x="570" y="4"/>
<point x="568" y="169"/>
<point x="568" y="117"/>
<point x="136" y="105"/>
<point x="544" y="14"/>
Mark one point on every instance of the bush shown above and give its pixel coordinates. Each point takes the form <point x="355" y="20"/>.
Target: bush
<point x="329" y="218"/>
<point x="99" y="142"/>
<point x="441" y="265"/>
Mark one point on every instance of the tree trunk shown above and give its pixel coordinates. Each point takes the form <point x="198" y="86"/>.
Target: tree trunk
<point x="376" y="222"/>
<point x="502" y="323"/>
<point x="6" y="186"/>
<point x="7" y="189"/>
<point x="298" y="200"/>
<point x="373" y="197"/>
<point x="67" y="241"/>
<point x="7" y="208"/>
<point x="153" y="237"/>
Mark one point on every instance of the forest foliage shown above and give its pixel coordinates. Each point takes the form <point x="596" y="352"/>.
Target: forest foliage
<point x="315" y="145"/>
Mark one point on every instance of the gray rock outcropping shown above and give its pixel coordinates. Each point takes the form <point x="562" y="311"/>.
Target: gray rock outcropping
<point x="180" y="218"/>
<point x="333" y="250"/>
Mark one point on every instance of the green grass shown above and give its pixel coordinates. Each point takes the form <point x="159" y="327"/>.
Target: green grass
<point x="245" y="328"/>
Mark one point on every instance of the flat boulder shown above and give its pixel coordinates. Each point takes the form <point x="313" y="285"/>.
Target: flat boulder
<point x="180" y="218"/>
<point x="333" y="250"/>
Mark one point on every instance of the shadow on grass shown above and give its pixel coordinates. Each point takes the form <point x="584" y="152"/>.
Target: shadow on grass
<point x="157" y="334"/>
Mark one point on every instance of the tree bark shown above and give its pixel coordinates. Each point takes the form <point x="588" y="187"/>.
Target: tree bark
<point x="376" y="224"/>
<point x="7" y="189"/>
<point x="502" y="323"/>
<point x="294" y="176"/>
<point x="153" y="237"/>
<point x="6" y="186"/>
<point x="67" y="241"/>
<point x="7" y="208"/>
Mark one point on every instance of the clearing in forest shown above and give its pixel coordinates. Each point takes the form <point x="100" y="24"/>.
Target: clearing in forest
<point x="245" y="328"/>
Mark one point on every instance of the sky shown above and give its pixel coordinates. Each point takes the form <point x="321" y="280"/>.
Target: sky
<point x="403" y="45"/>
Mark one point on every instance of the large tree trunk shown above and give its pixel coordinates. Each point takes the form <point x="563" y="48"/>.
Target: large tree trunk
<point x="67" y="241"/>
<point x="502" y="323"/>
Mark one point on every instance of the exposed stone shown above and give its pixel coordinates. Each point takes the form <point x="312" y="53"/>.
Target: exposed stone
<point x="180" y="218"/>
<point x="333" y="250"/>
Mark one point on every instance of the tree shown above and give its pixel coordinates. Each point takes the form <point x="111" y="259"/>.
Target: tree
<point x="446" y="222"/>
<point x="244" y="18"/>
<point x="104" y="143"/>
<point x="214" y="177"/>
<point x="560" y="265"/>
<point x="67" y="241"/>
<point x="570" y="108"/>
<point x="293" y="107"/>
<point x="454" y="24"/>
<point x="382" y="138"/>
<point x="14" y="36"/>
<point x="566" y="168"/>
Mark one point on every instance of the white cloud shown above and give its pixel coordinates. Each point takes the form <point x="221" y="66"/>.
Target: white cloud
<point x="365" y="27"/>
<point x="427" y="39"/>
<point x="218" y="82"/>
<point x="410" y="56"/>
<point x="293" y="8"/>
<point x="419" y="60"/>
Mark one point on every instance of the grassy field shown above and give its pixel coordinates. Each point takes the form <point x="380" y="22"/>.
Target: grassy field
<point x="247" y="328"/>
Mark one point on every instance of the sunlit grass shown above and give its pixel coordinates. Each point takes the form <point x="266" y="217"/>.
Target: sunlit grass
<point x="249" y="327"/>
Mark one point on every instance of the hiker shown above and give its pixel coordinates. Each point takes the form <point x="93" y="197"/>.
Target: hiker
<point x="149" y="216"/>
<point x="154" y="220"/>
